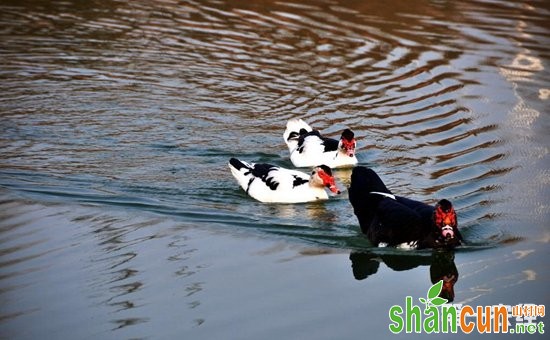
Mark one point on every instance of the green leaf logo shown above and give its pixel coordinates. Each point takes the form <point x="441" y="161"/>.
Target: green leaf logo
<point x="435" y="290"/>
<point x="438" y="301"/>
<point x="433" y="299"/>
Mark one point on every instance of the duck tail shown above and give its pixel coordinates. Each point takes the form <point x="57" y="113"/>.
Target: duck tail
<point x="238" y="164"/>
<point x="294" y="128"/>
<point x="241" y="171"/>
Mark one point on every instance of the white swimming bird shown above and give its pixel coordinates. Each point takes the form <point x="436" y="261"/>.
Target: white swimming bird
<point x="309" y="148"/>
<point x="272" y="184"/>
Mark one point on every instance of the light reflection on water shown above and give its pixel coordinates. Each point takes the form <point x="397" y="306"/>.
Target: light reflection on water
<point x="139" y="106"/>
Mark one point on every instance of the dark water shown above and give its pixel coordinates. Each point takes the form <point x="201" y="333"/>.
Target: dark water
<point x="120" y="218"/>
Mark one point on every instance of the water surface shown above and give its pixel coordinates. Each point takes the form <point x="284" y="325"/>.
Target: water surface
<point x="118" y="119"/>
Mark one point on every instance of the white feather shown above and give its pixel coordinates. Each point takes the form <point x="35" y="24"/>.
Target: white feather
<point x="408" y="245"/>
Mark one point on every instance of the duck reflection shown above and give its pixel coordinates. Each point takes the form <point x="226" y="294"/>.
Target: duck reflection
<point x="441" y="262"/>
<point x="443" y="268"/>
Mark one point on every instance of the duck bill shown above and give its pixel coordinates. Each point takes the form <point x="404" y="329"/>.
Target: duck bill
<point x="331" y="185"/>
<point x="447" y="232"/>
<point x="328" y="179"/>
<point x="334" y="189"/>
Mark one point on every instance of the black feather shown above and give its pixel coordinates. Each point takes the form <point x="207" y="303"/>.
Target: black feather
<point x="330" y="144"/>
<point x="262" y="171"/>
<point x="298" y="181"/>
<point x="296" y="135"/>
<point x="237" y="164"/>
<point x="348" y="135"/>
<point x="445" y="205"/>
<point x="326" y="169"/>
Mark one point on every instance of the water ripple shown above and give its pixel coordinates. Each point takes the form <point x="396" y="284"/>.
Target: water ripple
<point x="139" y="105"/>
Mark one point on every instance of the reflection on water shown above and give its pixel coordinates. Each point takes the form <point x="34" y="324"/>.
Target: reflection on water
<point x="443" y="268"/>
<point x="81" y="259"/>
<point x="137" y="106"/>
<point x="441" y="262"/>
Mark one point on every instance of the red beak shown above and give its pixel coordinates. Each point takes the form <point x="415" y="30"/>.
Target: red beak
<point x="334" y="189"/>
<point x="331" y="185"/>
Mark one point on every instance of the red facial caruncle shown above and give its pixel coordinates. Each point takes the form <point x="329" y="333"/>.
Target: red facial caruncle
<point x="347" y="142"/>
<point x="348" y="147"/>
<point x="445" y="219"/>
<point x="325" y="174"/>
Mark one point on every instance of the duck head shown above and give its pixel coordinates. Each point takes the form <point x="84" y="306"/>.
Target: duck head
<point x="446" y="225"/>
<point x="347" y="143"/>
<point x="322" y="176"/>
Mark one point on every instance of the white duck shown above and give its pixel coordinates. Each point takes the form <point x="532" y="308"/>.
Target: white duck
<point x="308" y="148"/>
<point x="272" y="184"/>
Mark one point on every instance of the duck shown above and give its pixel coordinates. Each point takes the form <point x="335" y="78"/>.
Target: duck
<point x="391" y="220"/>
<point x="269" y="183"/>
<point x="309" y="148"/>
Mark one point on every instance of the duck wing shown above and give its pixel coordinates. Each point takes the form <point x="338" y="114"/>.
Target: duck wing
<point x="425" y="211"/>
<point x="249" y="173"/>
<point x="396" y="223"/>
<point x="314" y="142"/>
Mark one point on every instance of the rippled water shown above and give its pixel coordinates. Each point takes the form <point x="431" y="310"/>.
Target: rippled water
<point x="136" y="107"/>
